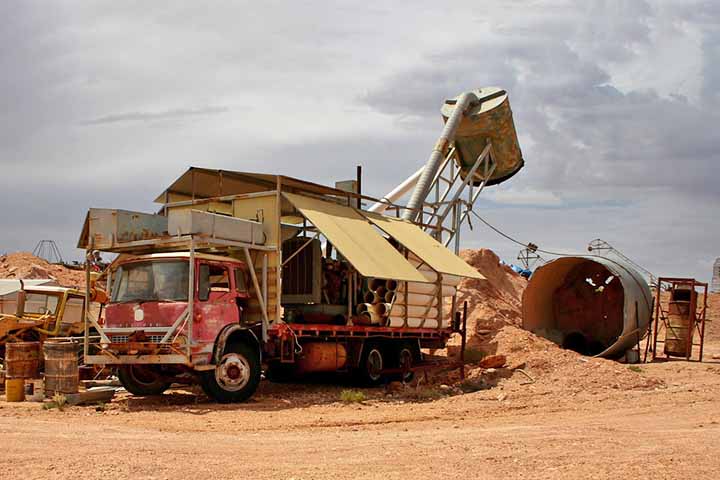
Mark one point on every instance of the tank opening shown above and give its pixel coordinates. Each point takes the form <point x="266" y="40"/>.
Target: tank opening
<point x="588" y="308"/>
<point x="581" y="344"/>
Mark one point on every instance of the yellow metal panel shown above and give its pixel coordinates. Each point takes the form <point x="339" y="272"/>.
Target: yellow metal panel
<point x="423" y="245"/>
<point x="263" y="208"/>
<point x="368" y="251"/>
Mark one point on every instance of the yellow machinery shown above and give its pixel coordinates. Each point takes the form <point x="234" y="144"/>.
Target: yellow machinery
<point x="47" y="311"/>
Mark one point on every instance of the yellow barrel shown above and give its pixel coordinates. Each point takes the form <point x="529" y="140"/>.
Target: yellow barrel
<point x="22" y="360"/>
<point x="61" y="367"/>
<point x="488" y="121"/>
<point x="15" y="389"/>
<point x="676" y="335"/>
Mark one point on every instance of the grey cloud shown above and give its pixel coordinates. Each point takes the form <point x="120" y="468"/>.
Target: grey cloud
<point x="150" y="116"/>
<point x="625" y="160"/>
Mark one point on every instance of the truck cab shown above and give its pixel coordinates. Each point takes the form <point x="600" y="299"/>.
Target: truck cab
<point x="148" y="317"/>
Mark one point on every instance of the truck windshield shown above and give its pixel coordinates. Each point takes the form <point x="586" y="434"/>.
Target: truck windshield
<point x="148" y="281"/>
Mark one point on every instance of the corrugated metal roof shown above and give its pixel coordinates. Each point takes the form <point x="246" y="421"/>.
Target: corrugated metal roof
<point x="208" y="183"/>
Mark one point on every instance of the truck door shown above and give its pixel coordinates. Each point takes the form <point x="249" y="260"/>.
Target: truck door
<point x="216" y="300"/>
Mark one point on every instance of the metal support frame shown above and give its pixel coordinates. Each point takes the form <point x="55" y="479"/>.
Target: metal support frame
<point x="529" y="257"/>
<point x="603" y="248"/>
<point x="696" y="314"/>
<point x="259" y="293"/>
<point x="454" y="196"/>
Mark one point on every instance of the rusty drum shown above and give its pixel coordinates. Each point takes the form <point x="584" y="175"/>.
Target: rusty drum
<point x="678" y="329"/>
<point x="22" y="360"/>
<point x="61" y="367"/>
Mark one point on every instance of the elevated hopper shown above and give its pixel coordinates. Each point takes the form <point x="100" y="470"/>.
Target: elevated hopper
<point x="487" y="120"/>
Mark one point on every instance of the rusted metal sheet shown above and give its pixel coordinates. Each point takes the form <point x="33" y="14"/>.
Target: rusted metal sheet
<point x="106" y="228"/>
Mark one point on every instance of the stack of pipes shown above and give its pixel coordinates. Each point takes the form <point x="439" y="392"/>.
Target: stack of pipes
<point x="417" y="303"/>
<point x="377" y="300"/>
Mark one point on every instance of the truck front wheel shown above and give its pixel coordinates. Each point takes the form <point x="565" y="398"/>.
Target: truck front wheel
<point x="142" y="380"/>
<point x="235" y="377"/>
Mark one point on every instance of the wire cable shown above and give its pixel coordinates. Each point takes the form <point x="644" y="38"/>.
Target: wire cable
<point x="526" y="245"/>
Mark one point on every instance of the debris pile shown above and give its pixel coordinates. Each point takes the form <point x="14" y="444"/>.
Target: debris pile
<point x="562" y="369"/>
<point x="494" y="319"/>
<point x="495" y="301"/>
<point x="24" y="265"/>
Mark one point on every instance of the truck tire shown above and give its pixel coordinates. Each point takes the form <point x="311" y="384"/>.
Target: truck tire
<point x="372" y="362"/>
<point x="235" y="377"/>
<point x="142" y="380"/>
<point x="405" y="356"/>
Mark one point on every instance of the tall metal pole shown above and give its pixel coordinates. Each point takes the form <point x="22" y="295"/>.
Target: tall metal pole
<point x="191" y="298"/>
<point x="86" y="307"/>
<point x="420" y="193"/>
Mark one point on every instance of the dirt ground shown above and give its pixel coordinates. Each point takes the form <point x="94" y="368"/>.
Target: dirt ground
<point x="581" y="418"/>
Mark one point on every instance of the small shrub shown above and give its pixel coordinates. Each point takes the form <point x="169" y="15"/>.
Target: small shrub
<point x="352" y="396"/>
<point x="635" y="368"/>
<point x="59" y="402"/>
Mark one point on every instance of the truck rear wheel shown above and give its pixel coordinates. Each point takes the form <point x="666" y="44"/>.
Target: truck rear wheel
<point x="142" y="380"/>
<point x="405" y="360"/>
<point x="371" y="365"/>
<point x="235" y="377"/>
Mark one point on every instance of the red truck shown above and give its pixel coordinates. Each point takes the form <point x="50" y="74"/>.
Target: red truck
<point x="290" y="280"/>
<point x="150" y="292"/>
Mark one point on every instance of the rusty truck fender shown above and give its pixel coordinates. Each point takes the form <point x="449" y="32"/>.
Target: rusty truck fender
<point x="235" y="332"/>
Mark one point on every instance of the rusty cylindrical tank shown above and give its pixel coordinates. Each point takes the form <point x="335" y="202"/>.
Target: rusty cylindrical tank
<point x="594" y="305"/>
<point x="322" y="357"/>
<point x="61" y="367"/>
<point x="22" y="360"/>
<point x="679" y="323"/>
<point x="488" y="121"/>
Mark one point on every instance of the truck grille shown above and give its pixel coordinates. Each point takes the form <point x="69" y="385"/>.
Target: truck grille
<point x="125" y="338"/>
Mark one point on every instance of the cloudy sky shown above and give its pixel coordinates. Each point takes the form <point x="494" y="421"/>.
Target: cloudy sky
<point x="616" y="104"/>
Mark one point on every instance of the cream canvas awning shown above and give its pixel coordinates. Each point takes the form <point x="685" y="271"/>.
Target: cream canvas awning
<point x="363" y="246"/>
<point x="423" y="245"/>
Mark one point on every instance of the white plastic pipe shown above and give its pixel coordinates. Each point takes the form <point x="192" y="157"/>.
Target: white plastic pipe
<point x="396" y="193"/>
<point x="416" y="299"/>
<point x="381" y="309"/>
<point x="415" y="322"/>
<point x="430" y="289"/>
<point x="413" y="311"/>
